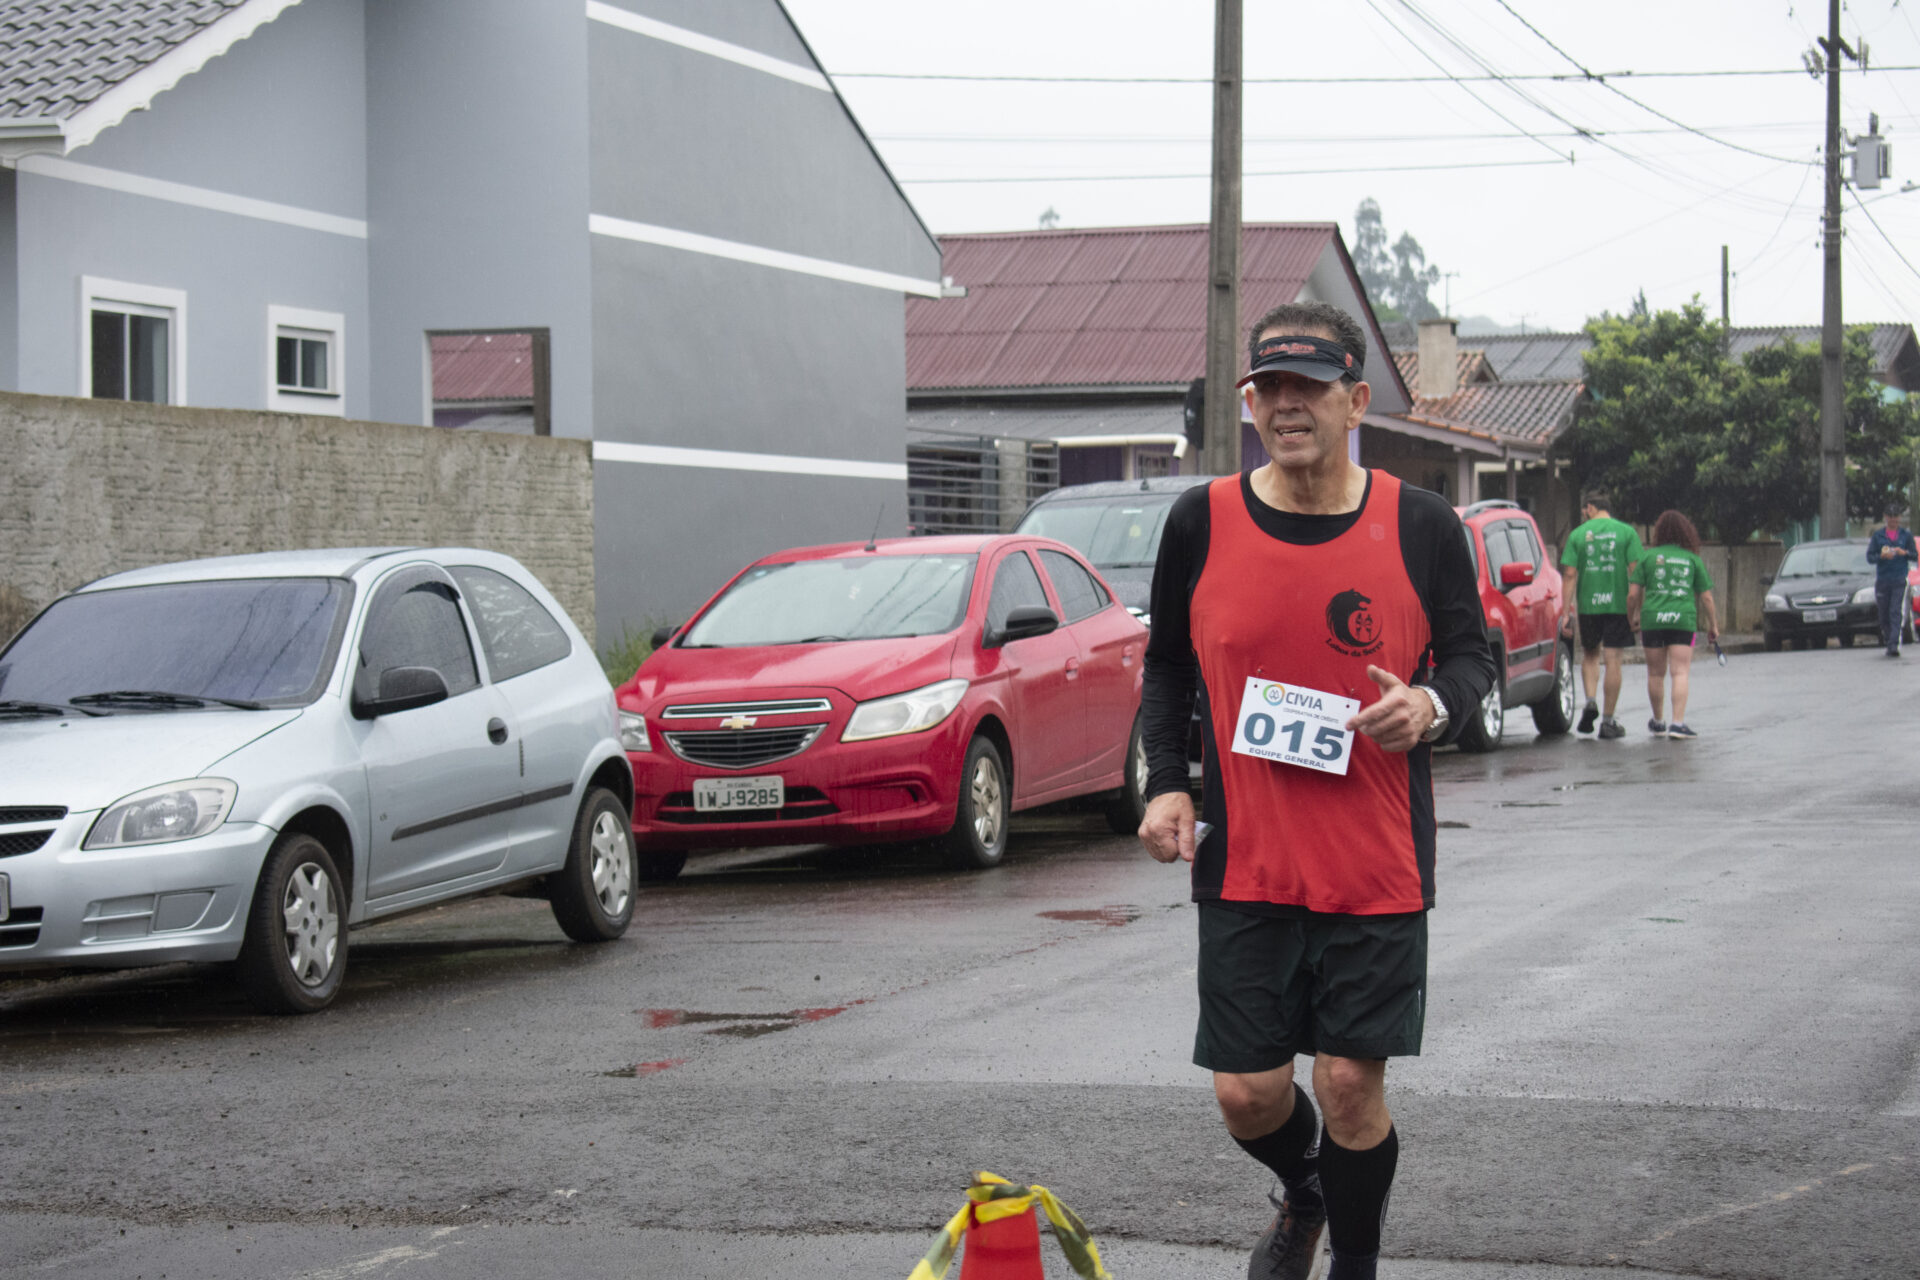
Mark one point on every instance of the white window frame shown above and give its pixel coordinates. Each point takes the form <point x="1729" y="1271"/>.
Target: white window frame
<point x="331" y="325"/>
<point x="135" y="299"/>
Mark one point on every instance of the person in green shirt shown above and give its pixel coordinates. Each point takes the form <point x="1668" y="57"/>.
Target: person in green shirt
<point x="1668" y="596"/>
<point x="1595" y="562"/>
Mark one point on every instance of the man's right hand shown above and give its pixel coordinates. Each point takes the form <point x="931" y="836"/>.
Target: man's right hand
<point x="1167" y="830"/>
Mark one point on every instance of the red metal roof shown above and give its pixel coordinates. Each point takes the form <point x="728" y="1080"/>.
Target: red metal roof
<point x="482" y="366"/>
<point x="1120" y="306"/>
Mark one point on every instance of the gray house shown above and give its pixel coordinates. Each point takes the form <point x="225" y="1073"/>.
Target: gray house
<point x="661" y="208"/>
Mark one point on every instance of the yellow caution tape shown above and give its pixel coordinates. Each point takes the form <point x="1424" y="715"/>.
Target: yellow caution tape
<point x="992" y="1197"/>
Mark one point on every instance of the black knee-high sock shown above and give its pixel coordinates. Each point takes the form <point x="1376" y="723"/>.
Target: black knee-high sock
<point x="1291" y="1151"/>
<point x="1356" y="1184"/>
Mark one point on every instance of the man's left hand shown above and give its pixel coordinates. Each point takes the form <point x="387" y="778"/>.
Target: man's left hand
<point x="1398" y="719"/>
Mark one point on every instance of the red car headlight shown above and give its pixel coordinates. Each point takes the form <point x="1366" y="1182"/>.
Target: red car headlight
<point x="908" y="712"/>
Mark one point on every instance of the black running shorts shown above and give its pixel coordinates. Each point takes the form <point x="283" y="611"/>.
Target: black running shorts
<point x="1656" y="638"/>
<point x="1609" y="629"/>
<point x="1275" y="986"/>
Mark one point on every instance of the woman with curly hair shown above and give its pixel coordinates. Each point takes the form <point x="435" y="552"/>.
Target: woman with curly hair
<point x="1668" y="594"/>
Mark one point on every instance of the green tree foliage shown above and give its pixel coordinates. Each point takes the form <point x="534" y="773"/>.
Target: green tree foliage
<point x="1735" y="444"/>
<point x="1396" y="274"/>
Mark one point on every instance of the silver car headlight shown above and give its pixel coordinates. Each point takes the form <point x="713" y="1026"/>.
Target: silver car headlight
<point x="171" y="811"/>
<point x="1776" y="602"/>
<point x="908" y="712"/>
<point x="1863" y="596"/>
<point x="633" y="732"/>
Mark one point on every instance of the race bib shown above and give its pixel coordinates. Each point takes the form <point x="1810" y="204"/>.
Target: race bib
<point x="1292" y="725"/>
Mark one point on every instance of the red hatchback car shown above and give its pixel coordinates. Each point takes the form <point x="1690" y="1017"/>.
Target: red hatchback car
<point x="1520" y="590"/>
<point x="886" y="691"/>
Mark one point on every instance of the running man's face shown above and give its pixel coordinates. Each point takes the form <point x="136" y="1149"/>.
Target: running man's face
<point x="1303" y="422"/>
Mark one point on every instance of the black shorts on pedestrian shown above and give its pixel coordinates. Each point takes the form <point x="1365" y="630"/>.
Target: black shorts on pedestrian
<point x="1609" y="629"/>
<point x="1272" y="987"/>
<point x="1665" y="638"/>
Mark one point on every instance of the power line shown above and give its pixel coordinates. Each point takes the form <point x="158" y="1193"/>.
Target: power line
<point x="1332" y="139"/>
<point x="1862" y="206"/>
<point x="1374" y="5"/>
<point x="1518" y="17"/>
<point x="1523" y="78"/>
<point x="1268" y="173"/>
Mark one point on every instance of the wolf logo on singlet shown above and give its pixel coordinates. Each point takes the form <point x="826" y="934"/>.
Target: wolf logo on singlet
<point x="1314" y="617"/>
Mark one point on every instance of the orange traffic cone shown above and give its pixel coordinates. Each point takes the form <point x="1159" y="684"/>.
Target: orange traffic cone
<point x="1003" y="1249"/>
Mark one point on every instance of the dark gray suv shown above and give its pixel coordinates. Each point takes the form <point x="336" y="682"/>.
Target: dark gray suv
<point x="1116" y="524"/>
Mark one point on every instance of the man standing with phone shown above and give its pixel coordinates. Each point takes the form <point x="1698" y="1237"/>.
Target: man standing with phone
<point x="1891" y="553"/>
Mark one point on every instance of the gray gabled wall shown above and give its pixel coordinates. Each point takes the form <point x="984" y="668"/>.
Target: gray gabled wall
<point x="477" y="182"/>
<point x="695" y="350"/>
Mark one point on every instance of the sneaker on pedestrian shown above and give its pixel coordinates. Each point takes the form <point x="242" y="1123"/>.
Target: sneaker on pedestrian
<point x="1658" y="728"/>
<point x="1287" y="1251"/>
<point x="1680" y="731"/>
<point x="1611" y="728"/>
<point x="1893" y="653"/>
<point x="1588" y="716"/>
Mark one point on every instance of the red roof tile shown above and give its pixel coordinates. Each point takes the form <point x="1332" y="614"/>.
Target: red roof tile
<point x="482" y="366"/>
<point x="1112" y="307"/>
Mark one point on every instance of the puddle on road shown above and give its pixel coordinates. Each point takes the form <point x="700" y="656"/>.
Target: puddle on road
<point x="743" y="1024"/>
<point x="1664" y="919"/>
<point x="1111" y="917"/>
<point x="1460" y="826"/>
<point x="1527" y="804"/>
<point x="646" y="1068"/>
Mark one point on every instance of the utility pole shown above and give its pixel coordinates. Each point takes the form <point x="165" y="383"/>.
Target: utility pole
<point x="1833" y="424"/>
<point x="1448" y="276"/>
<point x="1726" y="307"/>
<point x="1222" y="412"/>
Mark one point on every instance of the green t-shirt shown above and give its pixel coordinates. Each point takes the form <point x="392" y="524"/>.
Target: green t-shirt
<point x="1673" y="579"/>
<point x="1602" y="551"/>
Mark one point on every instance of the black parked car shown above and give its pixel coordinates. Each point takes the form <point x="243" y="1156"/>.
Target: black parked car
<point x="1823" y="589"/>
<point x="1116" y="524"/>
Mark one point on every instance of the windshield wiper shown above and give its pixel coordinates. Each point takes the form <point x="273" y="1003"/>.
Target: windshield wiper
<point x="815" y="640"/>
<point x="156" y="698"/>
<point x="21" y="707"/>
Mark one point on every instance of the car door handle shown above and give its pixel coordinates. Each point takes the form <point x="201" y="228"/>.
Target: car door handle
<point x="1073" y="668"/>
<point x="496" y="730"/>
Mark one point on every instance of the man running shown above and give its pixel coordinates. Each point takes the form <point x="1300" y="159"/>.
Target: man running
<point x="1596" y="561"/>
<point x="1329" y="617"/>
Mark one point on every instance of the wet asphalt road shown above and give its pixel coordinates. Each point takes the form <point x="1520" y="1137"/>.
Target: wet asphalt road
<point x="1673" y="1031"/>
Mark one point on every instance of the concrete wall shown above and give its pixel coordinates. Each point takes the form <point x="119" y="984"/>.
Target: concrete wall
<point x="705" y="352"/>
<point x="477" y="182"/>
<point x="1738" y="593"/>
<point x="280" y="117"/>
<point x="92" y="487"/>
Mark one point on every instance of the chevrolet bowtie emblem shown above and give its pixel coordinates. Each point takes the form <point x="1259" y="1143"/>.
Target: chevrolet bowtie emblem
<point x="739" y="722"/>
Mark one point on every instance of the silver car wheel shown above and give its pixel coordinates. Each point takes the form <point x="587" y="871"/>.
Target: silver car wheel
<point x="312" y="924"/>
<point x="985" y="791"/>
<point x="1493" y="713"/>
<point x="612" y="863"/>
<point x="1563" y="679"/>
<point x="1139" y="765"/>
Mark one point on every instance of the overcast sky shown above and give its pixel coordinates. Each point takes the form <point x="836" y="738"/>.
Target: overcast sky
<point x="1645" y="204"/>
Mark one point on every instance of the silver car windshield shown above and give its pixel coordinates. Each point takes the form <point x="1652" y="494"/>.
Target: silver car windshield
<point x="1114" y="533"/>
<point x="816" y="601"/>
<point x="258" y="640"/>
<point x="1816" y="562"/>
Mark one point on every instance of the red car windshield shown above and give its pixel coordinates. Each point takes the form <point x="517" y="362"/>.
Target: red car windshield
<point x="869" y="597"/>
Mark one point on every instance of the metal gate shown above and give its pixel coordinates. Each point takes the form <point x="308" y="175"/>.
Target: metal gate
<point x="976" y="484"/>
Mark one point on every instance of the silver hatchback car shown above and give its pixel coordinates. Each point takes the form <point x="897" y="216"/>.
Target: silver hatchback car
<point x="243" y="758"/>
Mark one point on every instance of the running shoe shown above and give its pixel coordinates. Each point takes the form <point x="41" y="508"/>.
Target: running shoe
<point x="1658" y="728"/>
<point x="1288" y="1250"/>
<point x="1611" y="728"/>
<point x="1588" y="716"/>
<point x="1680" y="731"/>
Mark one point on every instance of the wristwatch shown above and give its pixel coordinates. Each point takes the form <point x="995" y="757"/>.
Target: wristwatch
<point x="1438" y="728"/>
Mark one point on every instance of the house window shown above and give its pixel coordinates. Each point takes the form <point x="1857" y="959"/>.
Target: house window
<point x="133" y="342"/>
<point x="490" y="380"/>
<point x="304" y="373"/>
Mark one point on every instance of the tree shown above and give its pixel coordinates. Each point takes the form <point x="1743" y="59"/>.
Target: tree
<point x="1673" y="423"/>
<point x="1397" y="276"/>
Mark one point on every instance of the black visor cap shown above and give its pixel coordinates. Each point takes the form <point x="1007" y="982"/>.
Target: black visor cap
<point x="1310" y="357"/>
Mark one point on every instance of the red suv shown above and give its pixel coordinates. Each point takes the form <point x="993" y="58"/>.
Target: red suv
<point x="1520" y="593"/>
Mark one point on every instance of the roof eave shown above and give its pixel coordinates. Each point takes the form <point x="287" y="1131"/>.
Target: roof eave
<point x="25" y="136"/>
<point x="137" y="91"/>
<point x="1128" y="390"/>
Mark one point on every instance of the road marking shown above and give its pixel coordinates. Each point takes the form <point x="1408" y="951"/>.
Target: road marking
<point x="1730" y="1211"/>
<point x="399" y="1254"/>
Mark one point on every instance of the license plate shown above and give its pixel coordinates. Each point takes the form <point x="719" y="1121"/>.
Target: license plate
<point x="1819" y="615"/>
<point x="720" y="795"/>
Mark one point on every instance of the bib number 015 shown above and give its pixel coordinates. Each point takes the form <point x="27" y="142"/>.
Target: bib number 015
<point x="1292" y="725"/>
